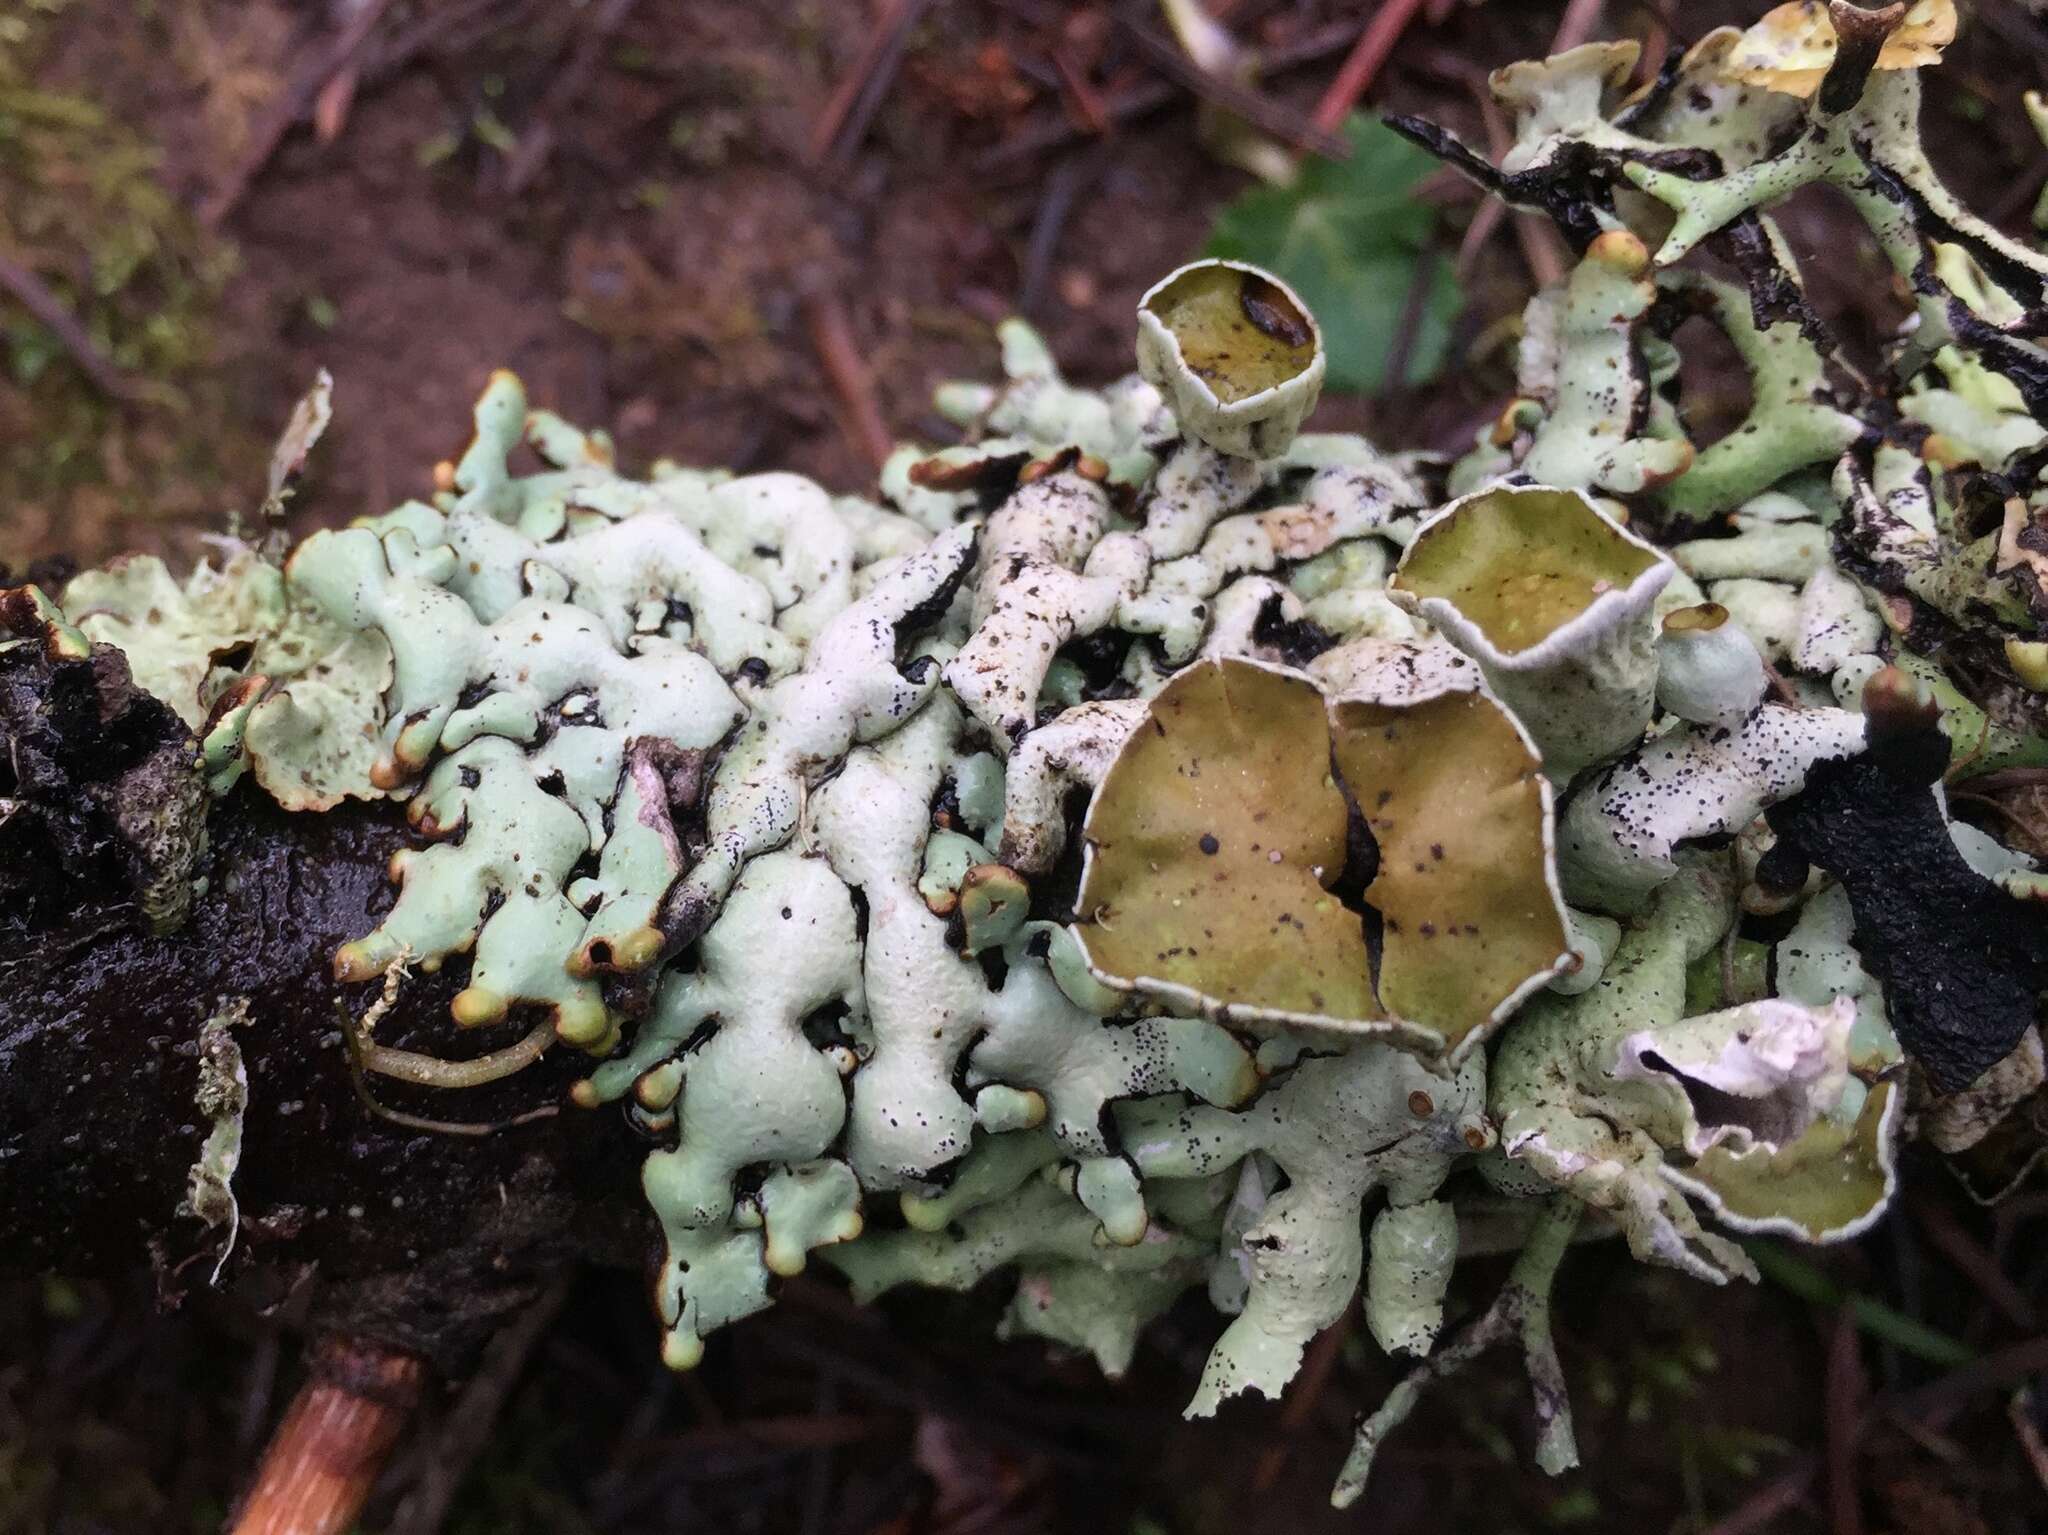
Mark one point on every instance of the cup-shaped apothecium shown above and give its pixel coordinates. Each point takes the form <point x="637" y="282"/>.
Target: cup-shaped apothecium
<point x="1553" y="600"/>
<point x="1235" y="351"/>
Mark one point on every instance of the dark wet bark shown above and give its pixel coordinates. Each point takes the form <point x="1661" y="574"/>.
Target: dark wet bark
<point x="424" y="1240"/>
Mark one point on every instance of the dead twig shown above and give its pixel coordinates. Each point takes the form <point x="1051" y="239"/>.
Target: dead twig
<point x="538" y="141"/>
<point x="1580" y="21"/>
<point x="1658" y="19"/>
<point x="1781" y="689"/>
<point x="2020" y="1412"/>
<point x="468" y="1426"/>
<point x="1362" y="65"/>
<point x="1256" y="108"/>
<point x="292" y="103"/>
<point x="1063" y="188"/>
<point x="1542" y="249"/>
<point x="1307" y="1389"/>
<point x="846" y="371"/>
<point x="1089" y="110"/>
<point x="1151" y="96"/>
<point x="1847" y="1387"/>
<point x="452" y="24"/>
<point x="1975" y="1264"/>
<point x="335" y="1437"/>
<point x="1414" y="304"/>
<point x="1941" y="1398"/>
<point x="851" y="107"/>
<point x="48" y="311"/>
<point x="1764" y="1509"/>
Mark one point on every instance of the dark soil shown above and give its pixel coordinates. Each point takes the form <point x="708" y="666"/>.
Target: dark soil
<point x="654" y="272"/>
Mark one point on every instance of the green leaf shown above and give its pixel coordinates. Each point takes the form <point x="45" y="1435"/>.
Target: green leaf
<point x="1349" y="236"/>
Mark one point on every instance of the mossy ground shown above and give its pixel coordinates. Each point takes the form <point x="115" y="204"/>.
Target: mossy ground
<point x="84" y="209"/>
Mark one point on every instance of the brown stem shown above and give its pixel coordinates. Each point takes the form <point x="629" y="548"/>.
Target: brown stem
<point x="1149" y="96"/>
<point x="335" y="1437"/>
<point x="1362" y="66"/>
<point x="847" y="372"/>
<point x="851" y="107"/>
<point x="48" y="310"/>
<point x="291" y="104"/>
<point x="1261" y="111"/>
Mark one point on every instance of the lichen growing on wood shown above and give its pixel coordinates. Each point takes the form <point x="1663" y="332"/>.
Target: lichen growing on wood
<point x="1149" y="847"/>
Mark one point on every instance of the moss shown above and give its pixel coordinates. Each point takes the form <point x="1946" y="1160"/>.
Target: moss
<point x="81" y="207"/>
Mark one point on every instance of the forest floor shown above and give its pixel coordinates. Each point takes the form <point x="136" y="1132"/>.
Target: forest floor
<point x="758" y="235"/>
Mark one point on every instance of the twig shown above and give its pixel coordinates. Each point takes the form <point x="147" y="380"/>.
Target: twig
<point x="2020" y="1412"/>
<point x="1762" y="1510"/>
<point x="449" y="17"/>
<point x="1658" y="21"/>
<point x="1729" y="940"/>
<point x="1580" y="21"/>
<point x="335" y="1437"/>
<point x="1541" y="247"/>
<point x="832" y="336"/>
<point x="1401" y="346"/>
<point x="1975" y="1264"/>
<point x="2007" y="1367"/>
<point x="475" y="1414"/>
<point x="1362" y="65"/>
<point x="1062" y="189"/>
<point x="291" y="104"/>
<point x="1154" y="96"/>
<point x="1846" y="1389"/>
<point x="1307" y="1390"/>
<point x="1087" y="100"/>
<point x="851" y="107"/>
<point x="818" y="1475"/>
<point x="332" y="101"/>
<point x="538" y="141"/>
<point x="1255" y="107"/>
<point x="48" y="311"/>
<point x="1781" y="689"/>
<point x="2017" y="30"/>
<point x="612" y="1492"/>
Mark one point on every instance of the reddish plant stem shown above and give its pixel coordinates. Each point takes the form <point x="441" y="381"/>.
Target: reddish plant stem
<point x="1362" y="65"/>
<point x="326" y="1454"/>
<point x="851" y="107"/>
<point x="1846" y="1392"/>
<point x="291" y="104"/>
<point x="852" y="385"/>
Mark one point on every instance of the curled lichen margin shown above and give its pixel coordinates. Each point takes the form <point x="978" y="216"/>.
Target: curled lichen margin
<point x="1409" y="1035"/>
